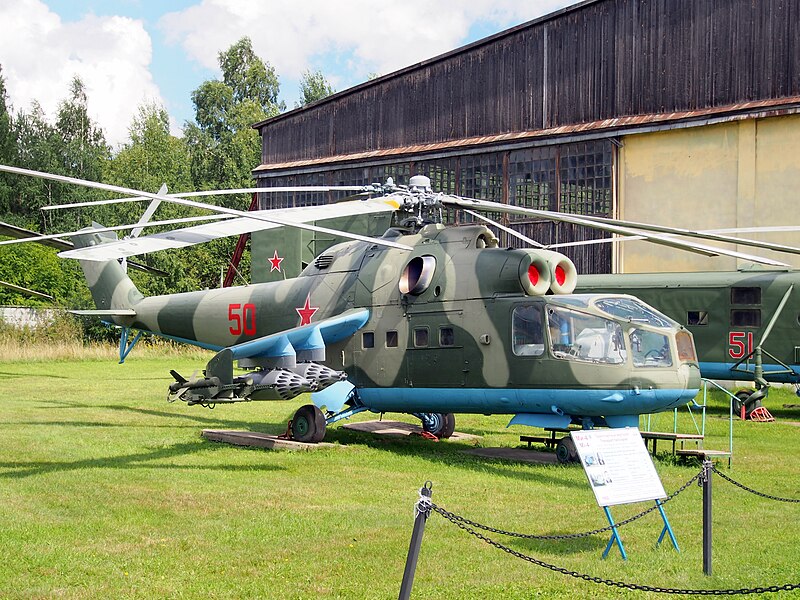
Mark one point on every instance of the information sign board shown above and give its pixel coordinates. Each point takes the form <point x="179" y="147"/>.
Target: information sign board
<point x="618" y="466"/>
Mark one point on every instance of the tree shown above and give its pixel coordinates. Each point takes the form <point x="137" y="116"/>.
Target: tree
<point x="84" y="147"/>
<point x="150" y="158"/>
<point x="74" y="146"/>
<point x="223" y="144"/>
<point x="249" y="77"/>
<point x="7" y="147"/>
<point x="314" y="87"/>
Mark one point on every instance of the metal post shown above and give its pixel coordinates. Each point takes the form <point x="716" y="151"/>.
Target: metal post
<point x="422" y="509"/>
<point x="707" y="517"/>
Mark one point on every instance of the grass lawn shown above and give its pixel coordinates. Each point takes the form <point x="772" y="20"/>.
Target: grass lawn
<point x="108" y="491"/>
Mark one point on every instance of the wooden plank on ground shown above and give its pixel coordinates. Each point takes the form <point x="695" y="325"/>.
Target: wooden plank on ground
<point x="260" y="440"/>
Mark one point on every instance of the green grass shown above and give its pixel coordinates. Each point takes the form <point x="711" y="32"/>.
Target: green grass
<point x="108" y="491"/>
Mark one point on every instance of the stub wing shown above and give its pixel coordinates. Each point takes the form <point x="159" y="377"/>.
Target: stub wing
<point x="303" y="341"/>
<point x="199" y="234"/>
<point x="287" y="359"/>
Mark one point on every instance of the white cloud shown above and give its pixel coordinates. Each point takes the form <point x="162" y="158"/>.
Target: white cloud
<point x="40" y="55"/>
<point x="377" y="36"/>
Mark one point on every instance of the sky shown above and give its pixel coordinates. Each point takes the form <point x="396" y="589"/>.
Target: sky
<point x="131" y="52"/>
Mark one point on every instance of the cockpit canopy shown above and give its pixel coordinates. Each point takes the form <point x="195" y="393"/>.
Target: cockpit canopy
<point x="599" y="329"/>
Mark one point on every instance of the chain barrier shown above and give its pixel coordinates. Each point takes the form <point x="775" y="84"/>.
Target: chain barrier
<point x="751" y="490"/>
<point x="610" y="582"/>
<point x="423" y="505"/>
<point x="567" y="536"/>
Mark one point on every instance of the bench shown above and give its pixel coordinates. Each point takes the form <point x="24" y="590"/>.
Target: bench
<point x="549" y="442"/>
<point x="673" y="437"/>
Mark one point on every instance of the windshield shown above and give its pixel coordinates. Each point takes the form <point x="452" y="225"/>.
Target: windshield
<point x="649" y="349"/>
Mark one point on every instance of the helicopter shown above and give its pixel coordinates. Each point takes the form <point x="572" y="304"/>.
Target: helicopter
<point x="427" y="320"/>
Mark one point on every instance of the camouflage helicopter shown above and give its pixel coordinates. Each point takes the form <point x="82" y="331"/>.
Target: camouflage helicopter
<point x="427" y="320"/>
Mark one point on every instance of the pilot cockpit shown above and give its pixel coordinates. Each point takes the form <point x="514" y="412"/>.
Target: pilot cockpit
<point x="592" y="328"/>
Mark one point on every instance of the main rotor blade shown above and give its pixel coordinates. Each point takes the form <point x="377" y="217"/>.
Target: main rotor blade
<point x="264" y="190"/>
<point x="188" y="236"/>
<point x="711" y="235"/>
<point x="55" y="241"/>
<point x="56" y="236"/>
<point x="508" y="230"/>
<point x="621" y="230"/>
<point x="24" y="290"/>
<point x="220" y="209"/>
<point x="148" y="213"/>
<point x="633" y="238"/>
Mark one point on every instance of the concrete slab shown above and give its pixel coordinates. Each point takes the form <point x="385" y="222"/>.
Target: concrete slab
<point x="260" y="440"/>
<point x="516" y="454"/>
<point x="399" y="428"/>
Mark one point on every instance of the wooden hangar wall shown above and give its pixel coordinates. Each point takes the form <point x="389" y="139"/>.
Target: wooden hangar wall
<point x="553" y="114"/>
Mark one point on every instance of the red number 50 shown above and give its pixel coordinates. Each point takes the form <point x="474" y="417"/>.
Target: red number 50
<point x="243" y="319"/>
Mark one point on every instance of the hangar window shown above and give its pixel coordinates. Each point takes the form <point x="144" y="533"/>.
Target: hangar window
<point x="745" y="295"/>
<point x="391" y="339"/>
<point x="421" y="337"/>
<point x="697" y="317"/>
<point x="585" y="178"/>
<point x="368" y="339"/>
<point x="746" y="317"/>
<point x="446" y="336"/>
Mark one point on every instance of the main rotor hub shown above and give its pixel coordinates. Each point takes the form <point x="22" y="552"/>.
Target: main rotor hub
<point x="420" y="183"/>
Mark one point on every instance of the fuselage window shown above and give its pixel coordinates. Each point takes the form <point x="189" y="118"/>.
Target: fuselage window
<point x="581" y="336"/>
<point x="391" y="339"/>
<point x="446" y="336"/>
<point x="421" y="337"/>
<point x="745" y="295"/>
<point x="746" y="317"/>
<point x="527" y="331"/>
<point x="368" y="339"/>
<point x="697" y="317"/>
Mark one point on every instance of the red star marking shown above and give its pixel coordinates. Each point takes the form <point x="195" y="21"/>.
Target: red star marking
<point x="275" y="261"/>
<point x="306" y="312"/>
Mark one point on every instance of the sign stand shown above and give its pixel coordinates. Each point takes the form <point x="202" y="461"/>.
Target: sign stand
<point x="615" y="539"/>
<point x="620" y="471"/>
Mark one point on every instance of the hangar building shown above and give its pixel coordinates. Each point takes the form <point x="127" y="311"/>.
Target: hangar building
<point x="680" y="112"/>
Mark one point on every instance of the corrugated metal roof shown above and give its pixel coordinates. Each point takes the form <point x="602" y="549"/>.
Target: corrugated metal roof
<point x="630" y="124"/>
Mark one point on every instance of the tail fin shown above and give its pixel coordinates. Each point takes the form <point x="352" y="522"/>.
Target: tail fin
<point x="111" y="288"/>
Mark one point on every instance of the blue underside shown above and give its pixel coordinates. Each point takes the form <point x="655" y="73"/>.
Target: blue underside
<point x="572" y="402"/>
<point x="716" y="370"/>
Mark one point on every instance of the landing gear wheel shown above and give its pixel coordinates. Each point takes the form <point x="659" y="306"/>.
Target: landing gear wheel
<point x="741" y="399"/>
<point x="565" y="451"/>
<point x="308" y="424"/>
<point x="442" y="425"/>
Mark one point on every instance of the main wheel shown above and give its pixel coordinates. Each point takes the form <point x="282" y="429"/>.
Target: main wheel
<point x="308" y="424"/>
<point x="442" y="425"/>
<point x="565" y="451"/>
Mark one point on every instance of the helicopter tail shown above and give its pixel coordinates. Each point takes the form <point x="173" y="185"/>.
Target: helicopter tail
<point x="113" y="292"/>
